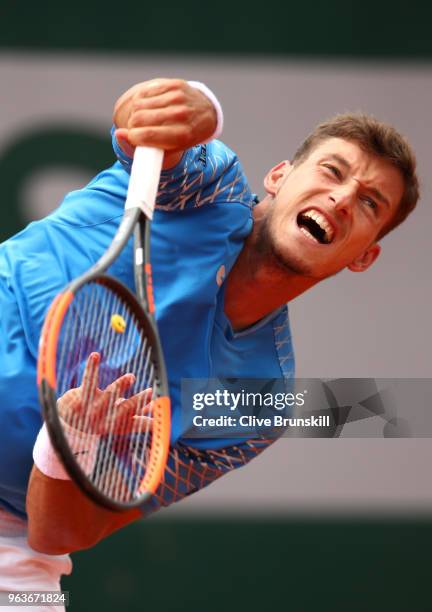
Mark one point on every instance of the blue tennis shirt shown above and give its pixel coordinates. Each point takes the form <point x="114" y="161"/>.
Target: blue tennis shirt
<point x="203" y="216"/>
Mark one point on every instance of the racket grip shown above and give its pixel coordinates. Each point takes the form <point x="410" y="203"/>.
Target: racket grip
<point x="144" y="179"/>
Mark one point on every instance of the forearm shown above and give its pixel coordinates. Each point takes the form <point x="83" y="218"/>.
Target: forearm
<point x="62" y="519"/>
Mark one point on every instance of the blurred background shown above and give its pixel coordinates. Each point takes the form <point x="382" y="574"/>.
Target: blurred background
<point x="329" y="525"/>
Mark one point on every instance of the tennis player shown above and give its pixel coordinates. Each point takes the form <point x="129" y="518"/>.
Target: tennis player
<point x="225" y="265"/>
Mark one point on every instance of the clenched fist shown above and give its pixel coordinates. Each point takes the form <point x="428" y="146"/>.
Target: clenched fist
<point x="168" y="114"/>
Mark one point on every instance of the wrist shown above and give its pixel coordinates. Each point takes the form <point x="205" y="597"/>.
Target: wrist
<point x="216" y="104"/>
<point x="47" y="460"/>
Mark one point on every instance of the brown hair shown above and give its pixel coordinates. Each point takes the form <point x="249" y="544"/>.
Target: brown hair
<point x="376" y="138"/>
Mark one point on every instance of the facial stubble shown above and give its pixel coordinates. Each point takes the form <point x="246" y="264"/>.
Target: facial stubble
<point x="268" y="250"/>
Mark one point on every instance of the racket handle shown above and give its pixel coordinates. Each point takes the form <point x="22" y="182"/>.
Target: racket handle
<point x="144" y="179"/>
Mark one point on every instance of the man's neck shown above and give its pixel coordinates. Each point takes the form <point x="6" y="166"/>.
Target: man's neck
<point x="257" y="283"/>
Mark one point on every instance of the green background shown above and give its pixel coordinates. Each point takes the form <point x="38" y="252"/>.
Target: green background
<point x="337" y="27"/>
<point x="267" y="564"/>
<point x="373" y="564"/>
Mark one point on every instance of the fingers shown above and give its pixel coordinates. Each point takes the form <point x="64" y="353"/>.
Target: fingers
<point x="146" y="88"/>
<point x="164" y="113"/>
<point x="126" y="421"/>
<point x="101" y="411"/>
<point x="122" y="137"/>
<point x="177" y="119"/>
<point x="90" y="378"/>
<point x="149" y="90"/>
<point x="176" y="105"/>
<point x="141" y="424"/>
<point x="143" y="401"/>
<point x="169" y="138"/>
<point x="120" y="385"/>
<point x="171" y="115"/>
<point x="142" y="398"/>
<point x="158" y="86"/>
<point x="105" y="411"/>
<point x="137" y="406"/>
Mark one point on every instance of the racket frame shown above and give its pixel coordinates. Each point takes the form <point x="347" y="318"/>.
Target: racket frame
<point x="133" y="221"/>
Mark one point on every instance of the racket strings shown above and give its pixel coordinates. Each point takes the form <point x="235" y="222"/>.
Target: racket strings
<point x="108" y="460"/>
<point x="107" y="385"/>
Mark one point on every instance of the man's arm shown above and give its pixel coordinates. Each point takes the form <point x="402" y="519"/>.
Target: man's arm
<point x="62" y="519"/>
<point x="168" y="114"/>
<point x="172" y="115"/>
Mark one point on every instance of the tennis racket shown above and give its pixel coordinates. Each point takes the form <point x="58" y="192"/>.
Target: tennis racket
<point x="101" y="373"/>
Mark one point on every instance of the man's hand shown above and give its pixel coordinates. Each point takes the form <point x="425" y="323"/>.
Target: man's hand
<point x="168" y="114"/>
<point x="106" y="411"/>
<point x="61" y="518"/>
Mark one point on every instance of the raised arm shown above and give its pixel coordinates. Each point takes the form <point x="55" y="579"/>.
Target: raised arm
<point x="172" y="115"/>
<point x="166" y="113"/>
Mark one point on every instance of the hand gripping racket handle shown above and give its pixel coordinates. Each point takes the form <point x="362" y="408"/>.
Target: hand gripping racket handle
<point x="144" y="179"/>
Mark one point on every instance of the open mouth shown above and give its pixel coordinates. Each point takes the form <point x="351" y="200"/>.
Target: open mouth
<point x="315" y="225"/>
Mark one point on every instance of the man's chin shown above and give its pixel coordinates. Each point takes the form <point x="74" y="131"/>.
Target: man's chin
<point x="297" y="265"/>
<point x="292" y="263"/>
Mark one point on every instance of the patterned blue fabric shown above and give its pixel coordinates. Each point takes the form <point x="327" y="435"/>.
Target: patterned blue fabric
<point x="203" y="216"/>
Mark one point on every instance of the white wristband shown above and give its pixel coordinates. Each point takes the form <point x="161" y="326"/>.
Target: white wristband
<point x="218" y="108"/>
<point x="46" y="459"/>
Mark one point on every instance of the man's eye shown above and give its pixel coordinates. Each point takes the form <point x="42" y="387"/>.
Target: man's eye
<point x="371" y="203"/>
<point x="334" y="170"/>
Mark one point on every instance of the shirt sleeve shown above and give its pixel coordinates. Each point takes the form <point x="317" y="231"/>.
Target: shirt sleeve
<point x="189" y="470"/>
<point x="206" y="174"/>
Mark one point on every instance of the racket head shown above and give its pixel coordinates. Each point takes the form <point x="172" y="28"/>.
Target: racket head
<point x="104" y="392"/>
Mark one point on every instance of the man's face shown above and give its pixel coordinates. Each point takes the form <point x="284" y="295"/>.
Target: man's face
<point x="328" y="210"/>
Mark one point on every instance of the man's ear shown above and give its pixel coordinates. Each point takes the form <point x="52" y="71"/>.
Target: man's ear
<point x="275" y="177"/>
<point x="366" y="259"/>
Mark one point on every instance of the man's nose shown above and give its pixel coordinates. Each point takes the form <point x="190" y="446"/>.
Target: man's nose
<point x="343" y="197"/>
